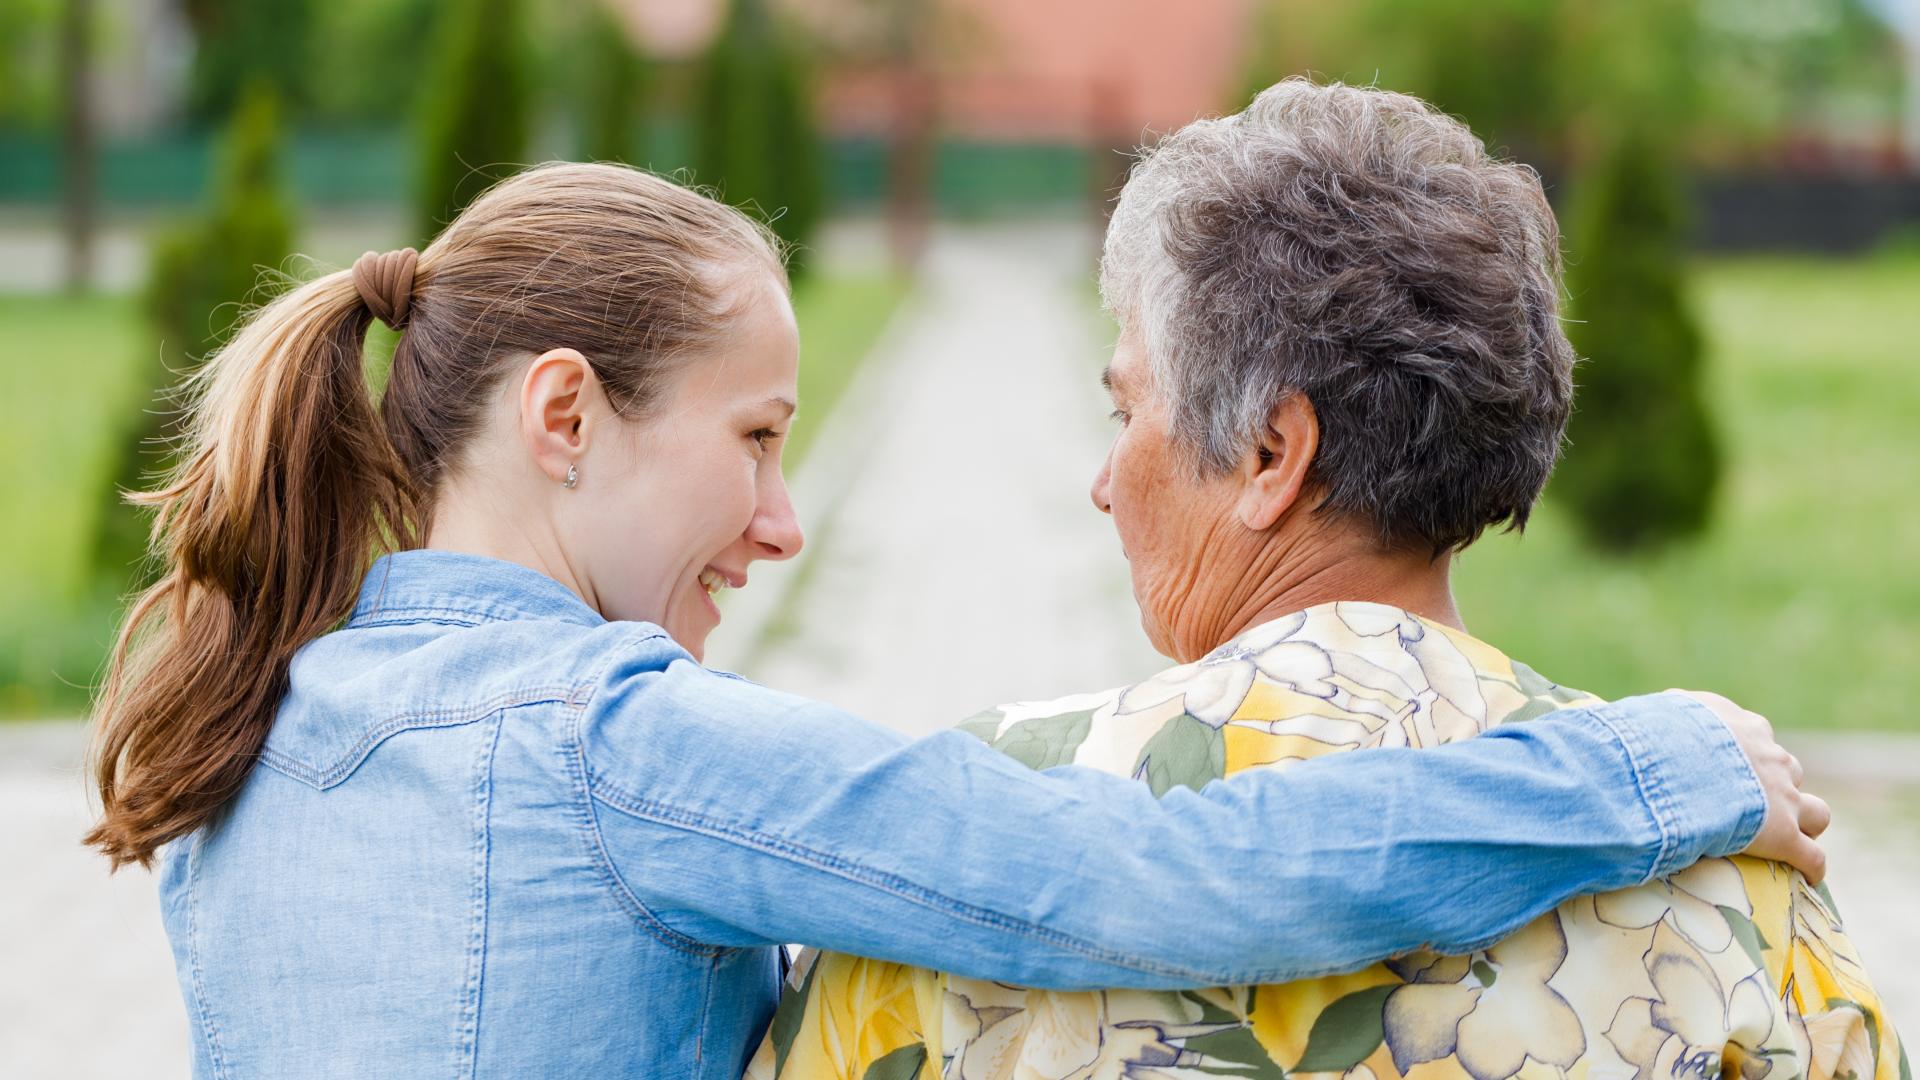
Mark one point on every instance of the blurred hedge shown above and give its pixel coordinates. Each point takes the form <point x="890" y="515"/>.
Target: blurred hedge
<point x="476" y="113"/>
<point x="754" y="132"/>
<point x="614" y="81"/>
<point x="203" y="274"/>
<point x="1643" y="460"/>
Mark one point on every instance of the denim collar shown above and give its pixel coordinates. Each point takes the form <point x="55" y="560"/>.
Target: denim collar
<point x="452" y="586"/>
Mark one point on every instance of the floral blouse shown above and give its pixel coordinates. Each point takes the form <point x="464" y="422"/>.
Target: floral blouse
<point x="1732" y="967"/>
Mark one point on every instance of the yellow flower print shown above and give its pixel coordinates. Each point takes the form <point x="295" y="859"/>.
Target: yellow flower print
<point x="1422" y="1019"/>
<point x="1213" y="686"/>
<point x="1063" y="1036"/>
<point x="1495" y="1015"/>
<point x="1519" y="1016"/>
<point x="1411" y="663"/>
<point x="1690" y="901"/>
<point x="1835" y="1044"/>
<point x="984" y="1024"/>
<point x="1679" y="1035"/>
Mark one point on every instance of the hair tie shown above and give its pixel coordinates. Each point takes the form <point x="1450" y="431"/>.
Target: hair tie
<point x="385" y="283"/>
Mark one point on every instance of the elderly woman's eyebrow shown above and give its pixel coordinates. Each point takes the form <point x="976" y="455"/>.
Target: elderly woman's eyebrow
<point x="1107" y="380"/>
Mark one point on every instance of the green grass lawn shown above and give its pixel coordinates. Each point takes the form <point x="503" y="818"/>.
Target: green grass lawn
<point x="71" y="373"/>
<point x="1803" y="602"/>
<point x="69" y="378"/>
<point x="839" y="320"/>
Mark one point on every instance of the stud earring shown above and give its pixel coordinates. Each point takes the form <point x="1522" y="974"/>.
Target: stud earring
<point x="573" y="478"/>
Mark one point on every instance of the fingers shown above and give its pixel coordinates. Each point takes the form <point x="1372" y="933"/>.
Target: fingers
<point x="1795" y="820"/>
<point x="1815" y="815"/>
<point x="1809" y="858"/>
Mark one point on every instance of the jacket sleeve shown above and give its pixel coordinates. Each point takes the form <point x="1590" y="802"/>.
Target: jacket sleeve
<point x="733" y="815"/>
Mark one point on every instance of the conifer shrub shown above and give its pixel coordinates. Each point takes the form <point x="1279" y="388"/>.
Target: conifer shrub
<point x="1642" y="461"/>
<point x="755" y="139"/>
<point x="475" y="113"/>
<point x="613" y="85"/>
<point x="239" y="45"/>
<point x="202" y="273"/>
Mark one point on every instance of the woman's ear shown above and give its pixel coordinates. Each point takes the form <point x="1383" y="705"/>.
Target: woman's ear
<point x="556" y="420"/>
<point x="1275" y="468"/>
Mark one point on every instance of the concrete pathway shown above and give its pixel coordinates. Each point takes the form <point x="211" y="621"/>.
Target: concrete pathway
<point x="86" y="982"/>
<point x="957" y="560"/>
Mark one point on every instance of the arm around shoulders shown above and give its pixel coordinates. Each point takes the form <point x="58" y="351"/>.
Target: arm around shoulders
<point x="738" y="815"/>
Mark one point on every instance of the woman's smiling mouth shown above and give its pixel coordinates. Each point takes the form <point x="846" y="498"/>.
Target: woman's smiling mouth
<point x="713" y="580"/>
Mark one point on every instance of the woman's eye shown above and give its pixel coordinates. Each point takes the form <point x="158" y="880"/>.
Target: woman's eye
<point x="1121" y="415"/>
<point x="765" y="436"/>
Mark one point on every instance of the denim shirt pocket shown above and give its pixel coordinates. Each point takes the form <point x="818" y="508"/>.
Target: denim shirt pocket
<point x="324" y="758"/>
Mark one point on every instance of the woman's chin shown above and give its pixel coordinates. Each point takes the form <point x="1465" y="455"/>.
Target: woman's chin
<point x="692" y="640"/>
<point x="695" y="623"/>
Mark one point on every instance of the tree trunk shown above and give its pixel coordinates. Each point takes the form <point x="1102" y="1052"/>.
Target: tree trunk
<point x="1910" y="119"/>
<point x="910" y="164"/>
<point x="77" y="143"/>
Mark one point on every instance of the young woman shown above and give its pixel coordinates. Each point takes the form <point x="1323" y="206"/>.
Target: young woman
<point x="476" y="809"/>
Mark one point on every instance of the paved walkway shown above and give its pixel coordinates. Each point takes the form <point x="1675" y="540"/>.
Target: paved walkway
<point x="958" y="560"/>
<point x="86" y="982"/>
<point x="957" y="563"/>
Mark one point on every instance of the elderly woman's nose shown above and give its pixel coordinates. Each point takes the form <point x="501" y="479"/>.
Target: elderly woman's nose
<point x="1101" y="480"/>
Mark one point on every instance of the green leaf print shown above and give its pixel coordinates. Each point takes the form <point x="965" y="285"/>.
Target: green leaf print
<point x="1210" y="1012"/>
<point x="1236" y="1052"/>
<point x="1906" y="1070"/>
<point x="902" y="1064"/>
<point x="787" y="1016"/>
<point x="1872" y="1023"/>
<point x="1347" y="1032"/>
<point x="1746" y="933"/>
<point x="983" y="725"/>
<point x="1484" y="972"/>
<point x="1046" y="741"/>
<point x="1832" y="908"/>
<point x="1543" y="695"/>
<point x="1186" y="751"/>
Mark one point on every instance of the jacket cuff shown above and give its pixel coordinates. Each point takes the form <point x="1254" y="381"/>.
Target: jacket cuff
<point x="1694" y="779"/>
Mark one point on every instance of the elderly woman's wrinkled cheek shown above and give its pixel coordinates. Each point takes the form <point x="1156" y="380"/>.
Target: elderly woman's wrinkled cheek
<point x="1201" y="585"/>
<point x="1185" y="549"/>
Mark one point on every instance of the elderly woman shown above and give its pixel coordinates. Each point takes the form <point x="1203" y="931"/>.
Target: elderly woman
<point x="1340" y="362"/>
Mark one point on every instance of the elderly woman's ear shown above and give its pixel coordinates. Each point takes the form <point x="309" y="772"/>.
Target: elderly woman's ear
<point x="1274" y="471"/>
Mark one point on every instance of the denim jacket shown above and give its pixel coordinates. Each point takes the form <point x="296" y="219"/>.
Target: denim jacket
<point x="493" y="834"/>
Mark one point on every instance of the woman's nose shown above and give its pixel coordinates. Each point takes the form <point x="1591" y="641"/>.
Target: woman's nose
<point x="775" y="530"/>
<point x="1101" y="481"/>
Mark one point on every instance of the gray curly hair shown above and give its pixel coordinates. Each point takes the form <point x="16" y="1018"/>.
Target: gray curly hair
<point x="1361" y="248"/>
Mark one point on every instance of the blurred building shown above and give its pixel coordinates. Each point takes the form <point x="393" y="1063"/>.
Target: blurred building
<point x="1083" y="71"/>
<point x="968" y="106"/>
